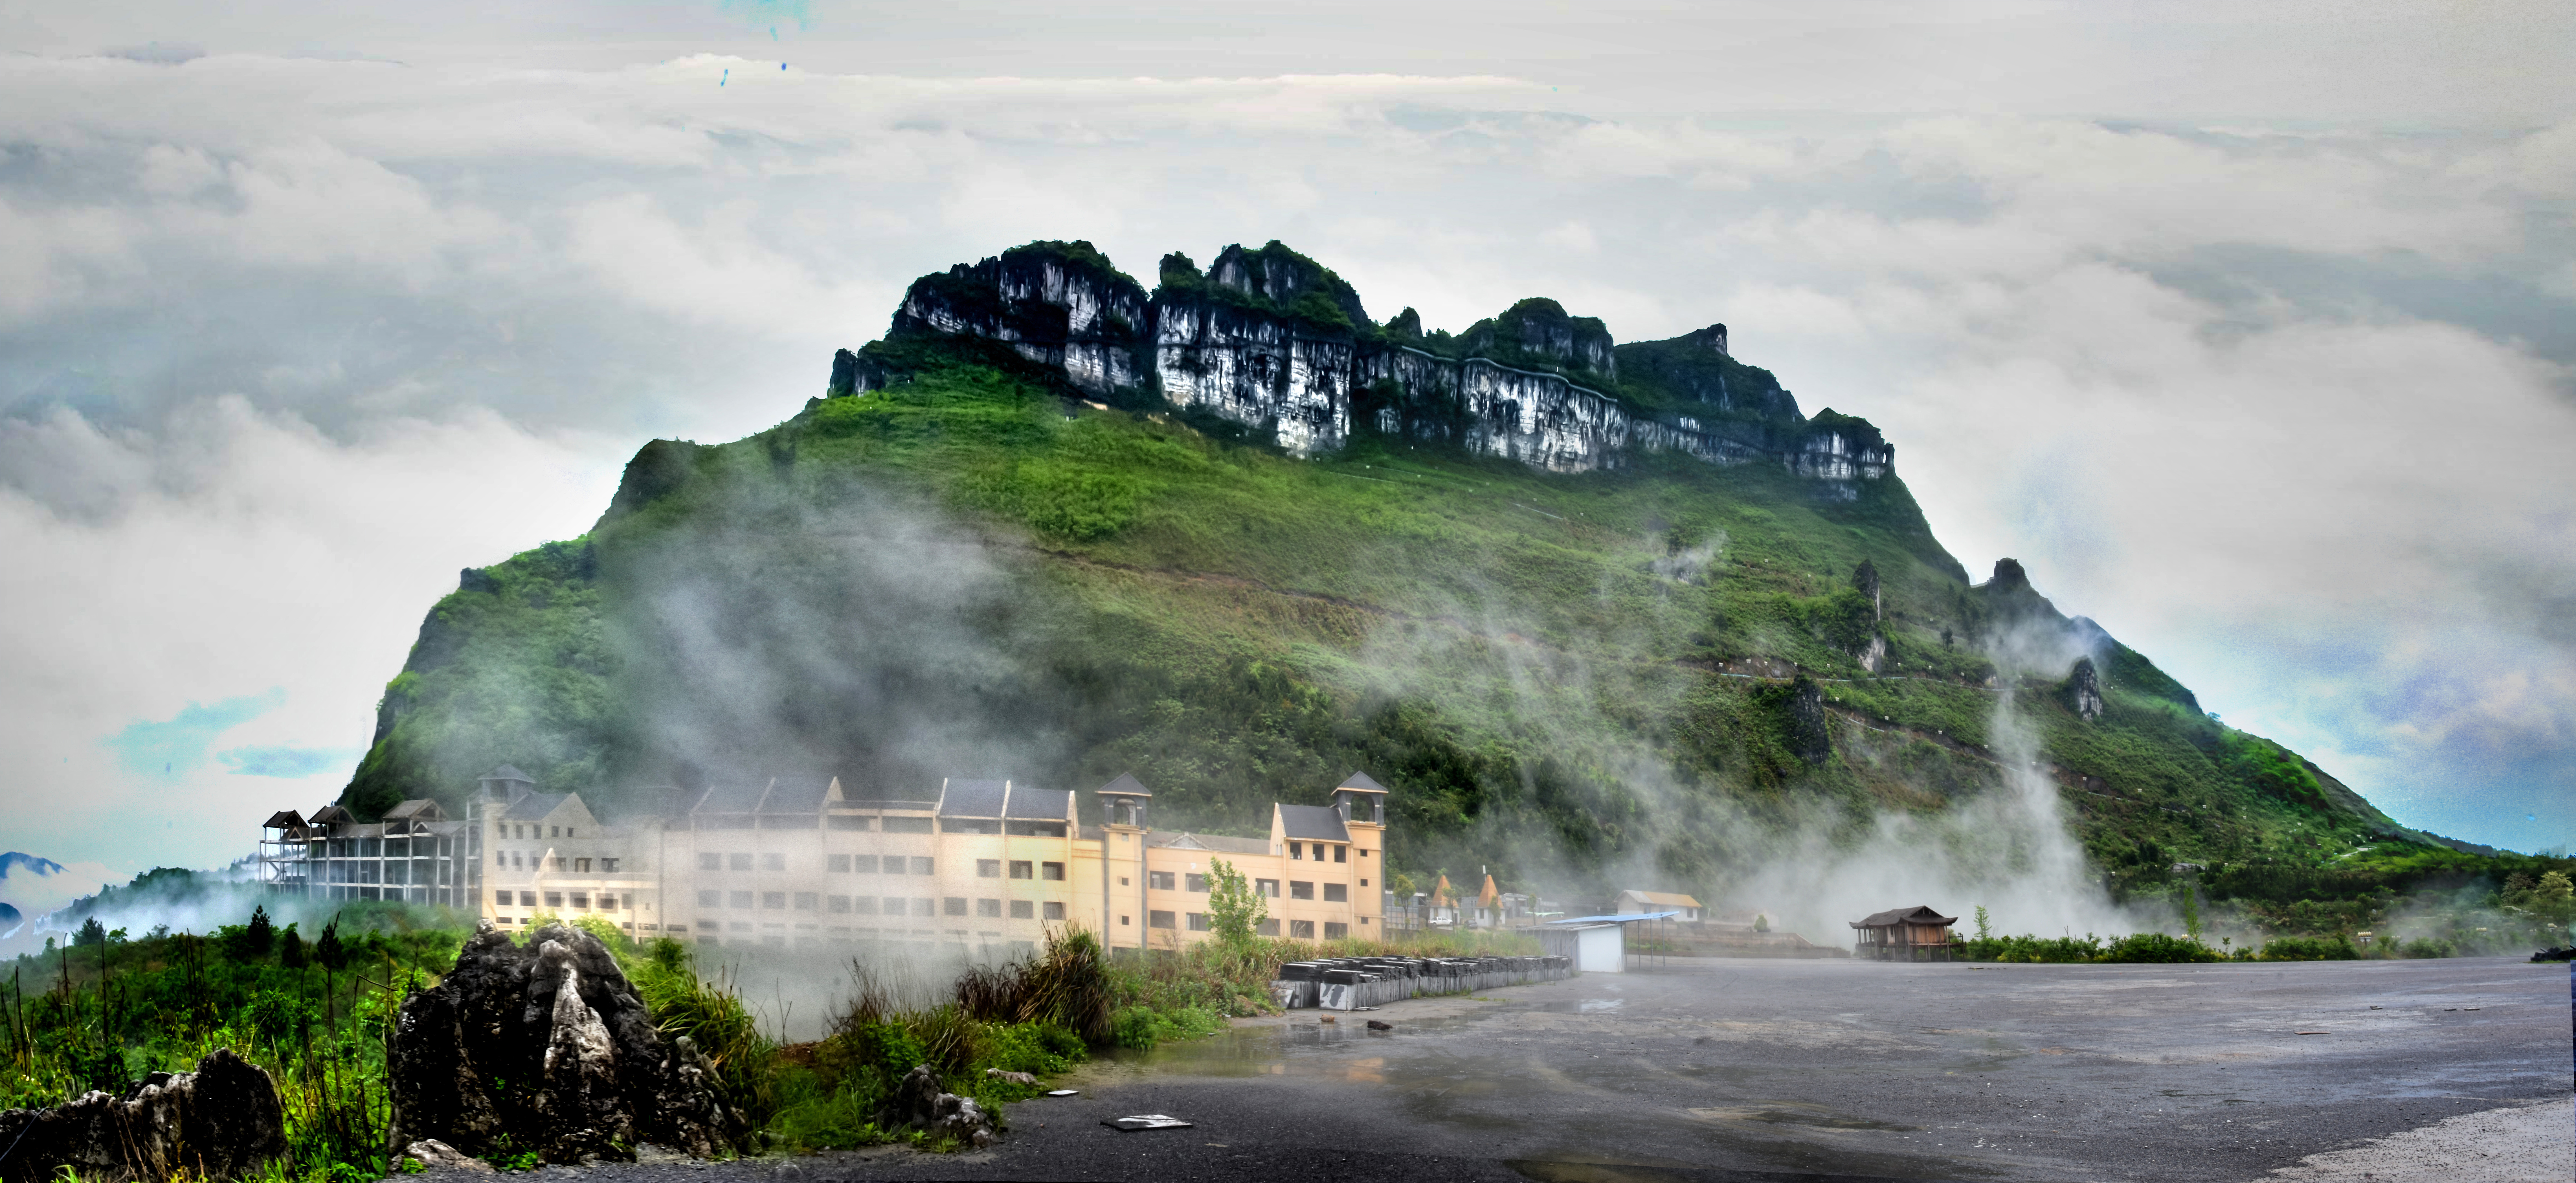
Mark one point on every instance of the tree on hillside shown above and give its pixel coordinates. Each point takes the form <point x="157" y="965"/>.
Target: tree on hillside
<point x="1234" y="909"/>
<point x="91" y="933"/>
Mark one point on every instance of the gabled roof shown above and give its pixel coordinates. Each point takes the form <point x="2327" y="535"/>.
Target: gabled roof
<point x="796" y="795"/>
<point x="1313" y="821"/>
<point x="972" y="798"/>
<point x="533" y="807"/>
<point x="1669" y="899"/>
<point x="1918" y="914"/>
<point x="330" y="814"/>
<point x="1360" y="783"/>
<point x="414" y="808"/>
<point x="1125" y="786"/>
<point x="741" y="798"/>
<point x="508" y="772"/>
<point x="284" y="819"/>
<point x="1051" y="805"/>
<point x="1212" y="843"/>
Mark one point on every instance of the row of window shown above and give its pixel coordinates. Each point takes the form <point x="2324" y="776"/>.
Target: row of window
<point x="513" y="830"/>
<point x="555" y="899"/>
<point x="1298" y="889"/>
<point x="1341" y="854"/>
<point x="922" y="825"/>
<point x="381" y="847"/>
<point x="870" y="864"/>
<point x="1334" y="930"/>
<point x="525" y="860"/>
<point x="868" y="905"/>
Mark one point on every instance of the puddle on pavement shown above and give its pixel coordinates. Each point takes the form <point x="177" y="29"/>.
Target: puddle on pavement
<point x="1795" y="1113"/>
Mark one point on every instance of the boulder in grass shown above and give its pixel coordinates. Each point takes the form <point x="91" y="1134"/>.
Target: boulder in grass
<point x="222" y="1121"/>
<point x="920" y="1103"/>
<point x="546" y="1048"/>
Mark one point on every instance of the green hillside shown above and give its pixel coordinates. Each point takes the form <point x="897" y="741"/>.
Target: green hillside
<point x="970" y="573"/>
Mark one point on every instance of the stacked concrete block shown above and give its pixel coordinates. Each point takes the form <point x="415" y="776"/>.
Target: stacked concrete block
<point x="1351" y="983"/>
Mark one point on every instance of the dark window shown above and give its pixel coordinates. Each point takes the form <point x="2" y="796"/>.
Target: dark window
<point x="1341" y="854"/>
<point x="554" y="899"/>
<point x="527" y="899"/>
<point x="1159" y="880"/>
<point x="1269" y="928"/>
<point x="1052" y="911"/>
<point x="988" y="868"/>
<point x="1337" y="893"/>
<point x="906" y="825"/>
<point x="838" y="864"/>
<point x="711" y="862"/>
<point x="970" y="825"/>
<point x="1051" y="871"/>
<point x="581" y="864"/>
<point x="1194" y="883"/>
<point x="711" y="899"/>
<point x="895" y="905"/>
<point x="1023" y="910"/>
<point x="1268" y="887"/>
<point x="1297" y="850"/>
<point x="502" y="898"/>
<point x="846" y="821"/>
<point x="921" y="866"/>
<point x="1303" y="930"/>
<point x="806" y="901"/>
<point x="956" y="905"/>
<point x="865" y="864"/>
<point x="1198" y="922"/>
<point x="1023" y="869"/>
<point x="1335" y="930"/>
<point x="838" y="903"/>
<point x="608" y="866"/>
<point x="988" y="908"/>
<point x="773" y="862"/>
<point x="739" y="862"/>
<point x="739" y="899"/>
<point x="773" y="899"/>
<point x="1300" y="890"/>
<point x="1158" y="919"/>
<point x="581" y="900"/>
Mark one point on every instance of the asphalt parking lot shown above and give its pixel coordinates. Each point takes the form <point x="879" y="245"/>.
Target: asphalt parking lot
<point x="1818" y="1070"/>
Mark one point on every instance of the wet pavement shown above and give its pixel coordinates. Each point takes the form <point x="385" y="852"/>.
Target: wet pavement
<point x="1812" y="1070"/>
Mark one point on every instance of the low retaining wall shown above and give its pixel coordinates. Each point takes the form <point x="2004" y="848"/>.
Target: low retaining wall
<point x="1349" y="983"/>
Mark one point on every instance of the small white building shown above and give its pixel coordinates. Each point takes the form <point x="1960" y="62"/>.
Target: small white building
<point x="1633" y="901"/>
<point x="1595" y="948"/>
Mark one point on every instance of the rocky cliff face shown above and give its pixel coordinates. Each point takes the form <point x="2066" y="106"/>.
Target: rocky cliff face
<point x="1269" y="340"/>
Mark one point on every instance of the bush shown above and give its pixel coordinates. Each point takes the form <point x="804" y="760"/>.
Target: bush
<point x="2156" y="947"/>
<point x="2427" y="947"/>
<point x="2309" y="949"/>
<point x="2031" y="950"/>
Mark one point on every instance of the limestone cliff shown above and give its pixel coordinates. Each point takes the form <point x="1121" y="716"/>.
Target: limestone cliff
<point x="1278" y="345"/>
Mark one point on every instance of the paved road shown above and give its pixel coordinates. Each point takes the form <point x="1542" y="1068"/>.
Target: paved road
<point x="1818" y="1070"/>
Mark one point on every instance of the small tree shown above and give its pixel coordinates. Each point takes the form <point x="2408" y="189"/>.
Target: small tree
<point x="290" y="949"/>
<point x="2191" y="911"/>
<point x="261" y="933"/>
<point x="1982" y="930"/>
<point x="1234" y="909"/>
<point x="1761" y="922"/>
<point x="328" y="950"/>
<point x="91" y="933"/>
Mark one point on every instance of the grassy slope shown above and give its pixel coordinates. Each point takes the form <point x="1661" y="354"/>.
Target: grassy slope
<point x="1518" y="655"/>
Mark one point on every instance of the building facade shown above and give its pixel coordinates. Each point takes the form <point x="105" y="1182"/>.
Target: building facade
<point x="981" y="867"/>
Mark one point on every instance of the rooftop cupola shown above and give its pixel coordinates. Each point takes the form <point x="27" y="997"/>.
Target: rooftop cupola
<point x="1361" y="800"/>
<point x="1122" y="801"/>
<point x="505" y="784"/>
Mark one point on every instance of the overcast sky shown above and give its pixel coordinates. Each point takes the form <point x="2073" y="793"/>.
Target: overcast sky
<point x="2250" y="335"/>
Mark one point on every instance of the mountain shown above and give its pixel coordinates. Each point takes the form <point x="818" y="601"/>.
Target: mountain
<point x="1595" y="612"/>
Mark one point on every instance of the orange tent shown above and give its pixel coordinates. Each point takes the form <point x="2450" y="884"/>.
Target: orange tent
<point x="1440" y="894"/>
<point x="1490" y="896"/>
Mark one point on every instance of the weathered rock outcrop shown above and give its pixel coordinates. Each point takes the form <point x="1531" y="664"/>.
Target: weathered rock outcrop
<point x="2084" y="690"/>
<point x="1271" y="341"/>
<point x="920" y="1103"/>
<point x="545" y="1048"/>
<point x="222" y="1121"/>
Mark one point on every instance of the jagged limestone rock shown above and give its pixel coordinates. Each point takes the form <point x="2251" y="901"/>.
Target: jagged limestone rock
<point x="545" y="1047"/>
<point x="432" y="1153"/>
<point x="2084" y="690"/>
<point x="1808" y="736"/>
<point x="1865" y="580"/>
<point x="222" y="1121"/>
<point x="918" y="1101"/>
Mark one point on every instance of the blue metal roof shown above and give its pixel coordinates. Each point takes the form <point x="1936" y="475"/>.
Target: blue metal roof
<point x="1616" y="918"/>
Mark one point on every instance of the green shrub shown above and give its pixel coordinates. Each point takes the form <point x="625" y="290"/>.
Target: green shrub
<point x="2309" y="949"/>
<point x="2427" y="947"/>
<point x="2156" y="947"/>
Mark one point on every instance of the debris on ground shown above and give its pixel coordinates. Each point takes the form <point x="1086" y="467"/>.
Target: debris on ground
<point x="1327" y="1018"/>
<point x="1010" y="1077"/>
<point x="1375" y="1025"/>
<point x="1063" y="1092"/>
<point x="1147" y="1121"/>
<point x="430" y="1152"/>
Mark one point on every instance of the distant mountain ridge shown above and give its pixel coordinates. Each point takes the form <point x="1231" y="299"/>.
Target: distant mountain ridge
<point x="1278" y="345"/>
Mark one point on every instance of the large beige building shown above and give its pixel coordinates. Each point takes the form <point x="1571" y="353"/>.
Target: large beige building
<point x="983" y="868"/>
